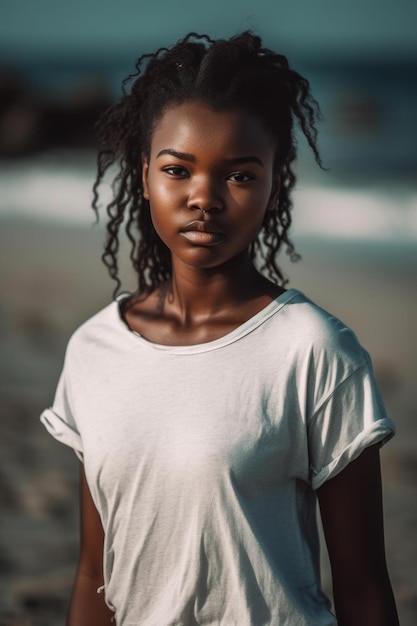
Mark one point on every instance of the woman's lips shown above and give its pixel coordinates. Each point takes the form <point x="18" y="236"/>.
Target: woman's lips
<point x="203" y="233"/>
<point x="202" y="237"/>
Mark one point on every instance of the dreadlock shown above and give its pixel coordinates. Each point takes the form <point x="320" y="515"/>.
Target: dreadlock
<point x="224" y="74"/>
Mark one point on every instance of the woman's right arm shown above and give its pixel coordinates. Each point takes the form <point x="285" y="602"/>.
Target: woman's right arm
<point x="88" y="607"/>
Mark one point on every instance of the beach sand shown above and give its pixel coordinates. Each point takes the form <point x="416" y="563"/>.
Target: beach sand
<point x="51" y="280"/>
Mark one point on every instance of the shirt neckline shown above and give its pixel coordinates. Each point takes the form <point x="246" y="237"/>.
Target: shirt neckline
<point x="239" y="332"/>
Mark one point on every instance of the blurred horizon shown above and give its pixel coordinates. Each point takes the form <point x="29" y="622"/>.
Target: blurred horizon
<point x="88" y="28"/>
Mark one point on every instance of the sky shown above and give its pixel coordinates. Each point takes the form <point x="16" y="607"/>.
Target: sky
<point x="98" y="27"/>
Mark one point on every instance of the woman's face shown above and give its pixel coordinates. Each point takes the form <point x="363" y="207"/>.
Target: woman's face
<point x="209" y="180"/>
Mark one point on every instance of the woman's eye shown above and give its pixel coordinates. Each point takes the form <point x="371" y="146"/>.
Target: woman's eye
<point x="240" y="177"/>
<point x="176" y="170"/>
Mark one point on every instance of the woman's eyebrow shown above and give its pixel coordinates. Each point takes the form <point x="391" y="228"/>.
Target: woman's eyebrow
<point x="185" y="156"/>
<point x="245" y="159"/>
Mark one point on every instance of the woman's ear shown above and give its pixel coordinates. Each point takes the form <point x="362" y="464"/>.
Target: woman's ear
<point x="145" y="171"/>
<point x="273" y="198"/>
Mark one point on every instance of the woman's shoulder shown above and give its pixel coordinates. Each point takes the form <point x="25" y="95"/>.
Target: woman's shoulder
<point x="97" y="328"/>
<point x="311" y="326"/>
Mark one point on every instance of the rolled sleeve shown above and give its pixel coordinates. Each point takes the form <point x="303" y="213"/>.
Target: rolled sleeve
<point x="59" y="419"/>
<point x="350" y="420"/>
<point x="62" y="431"/>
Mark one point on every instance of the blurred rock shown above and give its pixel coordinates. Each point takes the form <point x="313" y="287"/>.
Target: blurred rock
<point x="20" y="117"/>
<point x="33" y="121"/>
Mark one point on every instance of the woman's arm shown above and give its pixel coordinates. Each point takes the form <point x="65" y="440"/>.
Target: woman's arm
<point x="87" y="607"/>
<point x="352" y="516"/>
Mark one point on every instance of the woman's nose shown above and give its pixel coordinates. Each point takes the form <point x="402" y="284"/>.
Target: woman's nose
<point x="205" y="196"/>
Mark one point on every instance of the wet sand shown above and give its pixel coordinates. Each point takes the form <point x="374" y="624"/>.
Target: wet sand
<point x="51" y="280"/>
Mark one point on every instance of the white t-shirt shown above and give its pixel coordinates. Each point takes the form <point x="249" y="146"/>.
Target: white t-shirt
<point x="203" y="460"/>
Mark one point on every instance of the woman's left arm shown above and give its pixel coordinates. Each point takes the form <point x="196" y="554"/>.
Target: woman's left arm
<point x="352" y="517"/>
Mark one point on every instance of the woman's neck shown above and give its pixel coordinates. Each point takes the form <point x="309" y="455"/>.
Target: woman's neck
<point x="199" y="294"/>
<point x="199" y="306"/>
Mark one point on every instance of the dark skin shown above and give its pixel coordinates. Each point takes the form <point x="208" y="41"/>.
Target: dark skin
<point x="209" y="179"/>
<point x="213" y="170"/>
<point x="352" y="515"/>
<point x="87" y="606"/>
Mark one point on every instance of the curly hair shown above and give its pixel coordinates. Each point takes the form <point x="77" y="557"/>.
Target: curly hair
<point x="224" y="74"/>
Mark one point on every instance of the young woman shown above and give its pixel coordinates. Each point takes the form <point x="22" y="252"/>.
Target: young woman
<point x="212" y="408"/>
